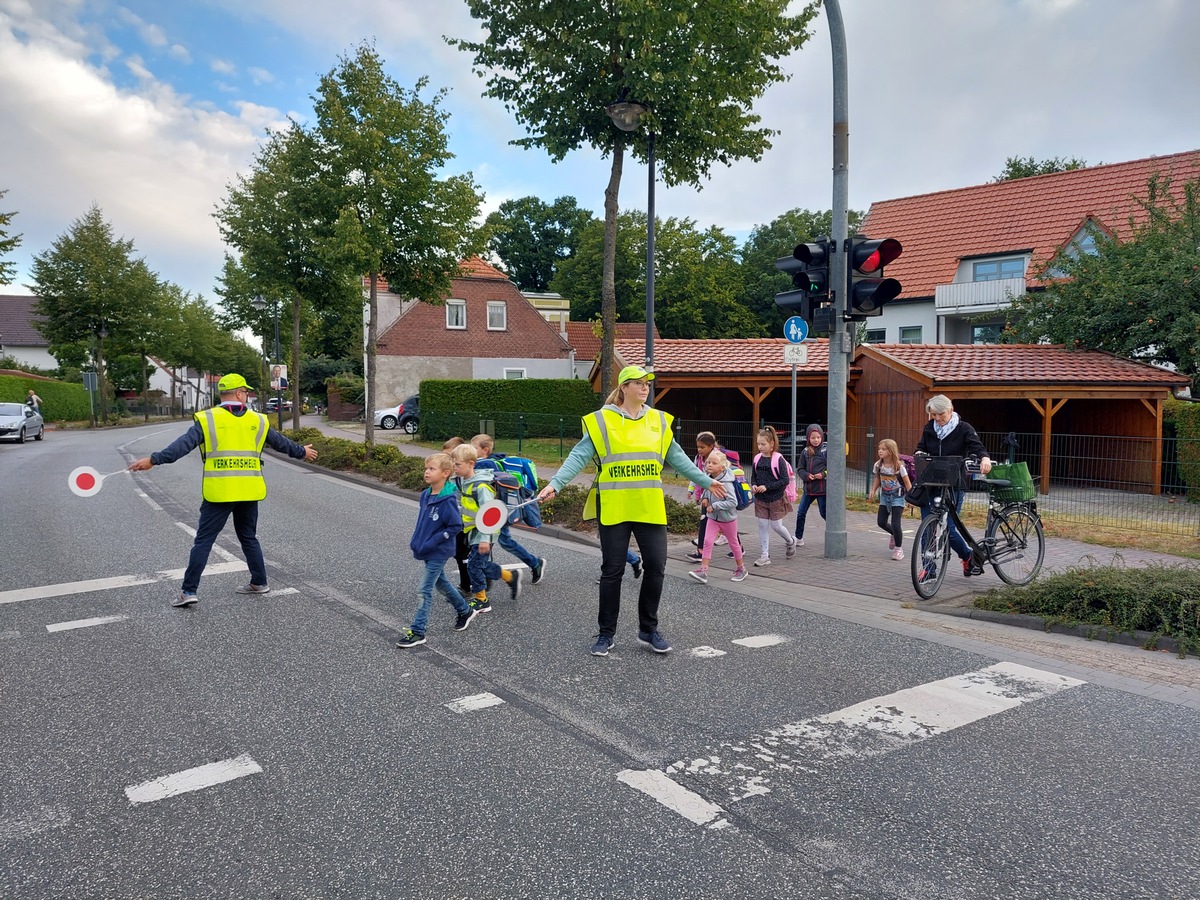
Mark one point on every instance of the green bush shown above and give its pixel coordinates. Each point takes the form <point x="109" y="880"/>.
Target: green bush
<point x="1163" y="600"/>
<point x="61" y="402"/>
<point x="547" y="407"/>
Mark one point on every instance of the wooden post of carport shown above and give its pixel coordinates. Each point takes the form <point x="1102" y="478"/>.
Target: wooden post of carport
<point x="756" y="395"/>
<point x="1046" y="409"/>
<point x="1155" y="407"/>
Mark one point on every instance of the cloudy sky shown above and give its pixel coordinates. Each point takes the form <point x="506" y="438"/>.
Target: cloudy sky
<point x="149" y="108"/>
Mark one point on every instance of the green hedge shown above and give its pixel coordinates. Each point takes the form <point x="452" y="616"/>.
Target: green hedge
<point x="1184" y="418"/>
<point x="61" y="402"/>
<point x="549" y="407"/>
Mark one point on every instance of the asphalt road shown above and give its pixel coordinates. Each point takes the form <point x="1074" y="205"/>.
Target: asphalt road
<point x="280" y="746"/>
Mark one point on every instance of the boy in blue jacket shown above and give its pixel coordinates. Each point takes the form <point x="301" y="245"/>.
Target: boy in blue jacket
<point x="439" y="521"/>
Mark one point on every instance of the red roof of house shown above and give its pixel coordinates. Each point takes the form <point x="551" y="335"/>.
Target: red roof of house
<point x="471" y="267"/>
<point x="722" y="356"/>
<point x="1020" y="364"/>
<point x="582" y="337"/>
<point x="1039" y="214"/>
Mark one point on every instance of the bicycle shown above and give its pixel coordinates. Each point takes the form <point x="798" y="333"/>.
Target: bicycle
<point x="1013" y="542"/>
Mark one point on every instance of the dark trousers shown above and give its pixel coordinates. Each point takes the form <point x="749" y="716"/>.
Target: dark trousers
<point x="462" y="551"/>
<point x="213" y="517"/>
<point x="802" y="514"/>
<point x="614" y="547"/>
<point x="891" y="520"/>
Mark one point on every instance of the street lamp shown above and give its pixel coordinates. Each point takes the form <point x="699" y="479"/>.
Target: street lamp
<point x="260" y="304"/>
<point x="627" y="115"/>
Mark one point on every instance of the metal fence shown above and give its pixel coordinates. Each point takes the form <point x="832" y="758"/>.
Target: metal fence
<point x="1101" y="481"/>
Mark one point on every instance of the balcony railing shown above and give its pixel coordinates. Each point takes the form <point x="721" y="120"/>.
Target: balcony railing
<point x="976" y="296"/>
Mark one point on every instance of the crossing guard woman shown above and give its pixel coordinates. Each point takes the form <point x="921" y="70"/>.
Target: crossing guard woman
<point x="631" y="443"/>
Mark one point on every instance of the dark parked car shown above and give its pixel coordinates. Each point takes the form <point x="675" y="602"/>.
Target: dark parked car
<point x="406" y="415"/>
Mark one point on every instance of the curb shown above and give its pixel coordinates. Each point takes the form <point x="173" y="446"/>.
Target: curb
<point x="1144" y="639"/>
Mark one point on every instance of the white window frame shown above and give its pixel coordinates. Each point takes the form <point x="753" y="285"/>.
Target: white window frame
<point x="501" y="307"/>
<point x="1006" y="267"/>
<point x="906" y="334"/>
<point x="514" y="374"/>
<point x="452" y="308"/>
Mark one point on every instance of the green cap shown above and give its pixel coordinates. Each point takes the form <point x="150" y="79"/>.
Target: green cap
<point x="633" y="373"/>
<point x="231" y="382"/>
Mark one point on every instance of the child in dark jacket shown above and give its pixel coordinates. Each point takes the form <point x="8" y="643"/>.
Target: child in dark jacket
<point x="439" y="522"/>
<point x="811" y="466"/>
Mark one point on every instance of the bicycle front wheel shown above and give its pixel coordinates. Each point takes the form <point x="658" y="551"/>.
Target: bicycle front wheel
<point x="930" y="554"/>
<point x="1016" y="544"/>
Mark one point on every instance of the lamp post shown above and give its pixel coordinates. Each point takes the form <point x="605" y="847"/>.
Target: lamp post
<point x="260" y="304"/>
<point x="102" y="386"/>
<point x="627" y="115"/>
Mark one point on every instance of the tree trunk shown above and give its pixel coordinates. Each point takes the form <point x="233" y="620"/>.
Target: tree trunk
<point x="608" y="283"/>
<point x="295" y="361"/>
<point x="372" y="335"/>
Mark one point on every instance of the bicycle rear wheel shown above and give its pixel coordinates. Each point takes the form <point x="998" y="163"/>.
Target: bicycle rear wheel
<point x="1016" y="544"/>
<point x="930" y="553"/>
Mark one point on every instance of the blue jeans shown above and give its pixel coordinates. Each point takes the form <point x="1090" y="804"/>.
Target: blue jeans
<point x="632" y="558"/>
<point x="481" y="567"/>
<point x="805" y="502"/>
<point x="213" y="517"/>
<point x="435" y="577"/>
<point x="957" y="544"/>
<point x="509" y="543"/>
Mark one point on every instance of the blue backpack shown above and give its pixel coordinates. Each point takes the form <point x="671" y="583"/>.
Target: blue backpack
<point x="741" y="488"/>
<point x="515" y="482"/>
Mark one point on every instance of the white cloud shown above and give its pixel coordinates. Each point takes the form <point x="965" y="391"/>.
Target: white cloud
<point x="148" y="32"/>
<point x="222" y="66"/>
<point x="260" y="76"/>
<point x="180" y="52"/>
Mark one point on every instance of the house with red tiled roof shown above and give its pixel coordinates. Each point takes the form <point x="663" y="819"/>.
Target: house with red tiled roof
<point x="585" y="341"/>
<point x="484" y="328"/>
<point x="968" y="251"/>
<point x="18" y="336"/>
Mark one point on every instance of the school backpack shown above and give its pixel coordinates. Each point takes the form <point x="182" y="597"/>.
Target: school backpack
<point x="741" y="488"/>
<point x="516" y="482"/>
<point x="789" y="491"/>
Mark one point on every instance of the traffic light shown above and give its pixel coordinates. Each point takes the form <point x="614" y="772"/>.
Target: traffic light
<point x="866" y="290"/>
<point x="808" y="267"/>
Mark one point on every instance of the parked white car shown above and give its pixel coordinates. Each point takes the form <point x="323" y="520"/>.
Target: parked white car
<point x="19" y="422"/>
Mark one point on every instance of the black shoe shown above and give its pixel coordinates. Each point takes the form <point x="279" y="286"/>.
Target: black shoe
<point x="515" y="584"/>
<point x="483" y="606"/>
<point x="538" y="571"/>
<point x="410" y="639"/>
<point x="464" y="619"/>
<point x="637" y="570"/>
<point x="603" y="644"/>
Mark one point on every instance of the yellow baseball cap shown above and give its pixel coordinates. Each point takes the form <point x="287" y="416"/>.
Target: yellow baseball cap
<point x="633" y="373"/>
<point x="231" y="382"/>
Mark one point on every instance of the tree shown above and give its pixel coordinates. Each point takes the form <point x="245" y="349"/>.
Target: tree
<point x="90" y="287"/>
<point x="381" y="149"/>
<point x="532" y="238"/>
<point x="1016" y="167"/>
<point x="697" y="66"/>
<point x="579" y="277"/>
<point x="1138" y="297"/>
<point x="7" y="245"/>
<point x="760" y="280"/>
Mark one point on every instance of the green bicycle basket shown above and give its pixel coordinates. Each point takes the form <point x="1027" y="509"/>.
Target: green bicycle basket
<point x="1021" y="487"/>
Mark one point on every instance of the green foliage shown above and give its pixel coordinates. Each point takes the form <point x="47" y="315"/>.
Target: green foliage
<point x="1185" y="417"/>
<point x="1016" y="167"/>
<point x="60" y="402"/>
<point x="1163" y="600"/>
<point x="1137" y="298"/>
<point x="579" y="277"/>
<point x="8" y="271"/>
<point x="318" y="370"/>
<point x="451" y="408"/>
<point x="533" y="238"/>
<point x="349" y="386"/>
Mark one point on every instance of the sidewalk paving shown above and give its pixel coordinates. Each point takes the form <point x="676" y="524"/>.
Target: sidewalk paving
<point x="867" y="575"/>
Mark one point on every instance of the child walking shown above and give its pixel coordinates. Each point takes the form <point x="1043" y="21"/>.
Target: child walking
<point x="891" y="483"/>
<point x="439" y="521"/>
<point x="769" y="483"/>
<point x="484" y="446"/>
<point x="722" y="517"/>
<point x="476" y="490"/>
<point x="812" y="467"/>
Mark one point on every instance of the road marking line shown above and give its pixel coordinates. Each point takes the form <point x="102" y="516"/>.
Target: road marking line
<point x="279" y="592"/>
<point x="863" y="730"/>
<point x="473" y="703"/>
<point x="149" y="502"/>
<point x="762" y="640"/>
<point x="107" y="584"/>
<point x="192" y="779"/>
<point x="216" y="548"/>
<point x="84" y="623"/>
<point x="706" y="652"/>
<point x="688" y="804"/>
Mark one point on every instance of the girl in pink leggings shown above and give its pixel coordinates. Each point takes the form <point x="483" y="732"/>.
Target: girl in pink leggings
<point x="722" y="517"/>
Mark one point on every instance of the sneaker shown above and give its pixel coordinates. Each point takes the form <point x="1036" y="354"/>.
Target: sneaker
<point x="185" y="599"/>
<point x="538" y="571"/>
<point x="481" y="606"/>
<point x="696" y="542"/>
<point x="464" y="619"/>
<point x="701" y="575"/>
<point x="410" y="639"/>
<point x="729" y="555"/>
<point x="654" y="641"/>
<point x="514" y="585"/>
<point x="637" y="570"/>
<point x="763" y="561"/>
<point x="604" y="643"/>
<point x="897" y="553"/>
<point x="970" y="567"/>
<point x="739" y="574"/>
<point x="694" y="556"/>
<point x="721" y="539"/>
<point x="791" y="550"/>
<point x="799" y="542"/>
<point x="892" y="543"/>
<point x="252" y="588"/>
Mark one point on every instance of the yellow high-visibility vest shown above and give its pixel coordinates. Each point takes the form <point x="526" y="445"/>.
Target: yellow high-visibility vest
<point x="632" y="453"/>
<point x="232" y="452"/>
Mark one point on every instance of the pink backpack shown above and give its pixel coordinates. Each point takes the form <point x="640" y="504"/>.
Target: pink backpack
<point x="789" y="492"/>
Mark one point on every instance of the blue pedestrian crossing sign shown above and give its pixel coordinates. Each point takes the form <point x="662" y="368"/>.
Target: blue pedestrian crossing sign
<point x="795" y="329"/>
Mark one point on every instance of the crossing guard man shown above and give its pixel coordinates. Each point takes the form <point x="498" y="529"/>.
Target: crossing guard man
<point x="231" y="439"/>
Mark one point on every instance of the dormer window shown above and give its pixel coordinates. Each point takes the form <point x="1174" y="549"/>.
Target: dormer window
<point x="996" y="269"/>
<point x="1082" y="244"/>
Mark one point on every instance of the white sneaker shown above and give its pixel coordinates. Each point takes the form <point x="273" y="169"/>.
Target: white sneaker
<point x="897" y="553"/>
<point x="721" y="539"/>
<point x="763" y="561"/>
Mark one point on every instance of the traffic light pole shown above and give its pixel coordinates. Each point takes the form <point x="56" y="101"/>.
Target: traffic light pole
<point x="840" y="343"/>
